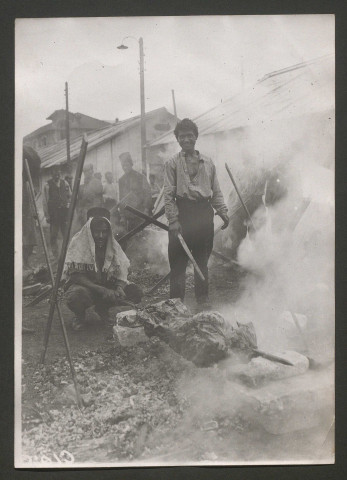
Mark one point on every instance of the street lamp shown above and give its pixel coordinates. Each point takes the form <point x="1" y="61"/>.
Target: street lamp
<point x="142" y="99"/>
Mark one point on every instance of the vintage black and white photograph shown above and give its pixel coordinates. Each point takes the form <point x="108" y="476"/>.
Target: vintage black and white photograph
<point x="174" y="265"/>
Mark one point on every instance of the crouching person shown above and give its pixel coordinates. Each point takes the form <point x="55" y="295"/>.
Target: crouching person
<point x="96" y="270"/>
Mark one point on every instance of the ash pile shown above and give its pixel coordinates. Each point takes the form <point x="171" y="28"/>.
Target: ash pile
<point x="276" y="390"/>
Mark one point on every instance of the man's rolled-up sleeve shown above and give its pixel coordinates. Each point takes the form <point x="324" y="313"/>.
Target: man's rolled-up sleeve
<point x="170" y="187"/>
<point x="217" y="200"/>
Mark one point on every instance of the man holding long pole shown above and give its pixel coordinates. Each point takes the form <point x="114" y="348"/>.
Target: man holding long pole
<point x="191" y="193"/>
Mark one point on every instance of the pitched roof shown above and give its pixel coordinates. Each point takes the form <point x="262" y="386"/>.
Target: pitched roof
<point x="56" y="154"/>
<point x="57" y="113"/>
<point x="43" y="129"/>
<point x="85" y="121"/>
<point x="301" y="89"/>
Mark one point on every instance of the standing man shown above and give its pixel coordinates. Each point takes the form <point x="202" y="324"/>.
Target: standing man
<point x="110" y="191"/>
<point x="191" y="192"/>
<point x="134" y="190"/>
<point x="56" y="201"/>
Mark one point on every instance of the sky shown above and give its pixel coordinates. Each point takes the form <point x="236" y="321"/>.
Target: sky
<point x="204" y="59"/>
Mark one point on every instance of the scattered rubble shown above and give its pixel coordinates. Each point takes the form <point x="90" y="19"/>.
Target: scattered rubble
<point x="260" y="371"/>
<point x="147" y="403"/>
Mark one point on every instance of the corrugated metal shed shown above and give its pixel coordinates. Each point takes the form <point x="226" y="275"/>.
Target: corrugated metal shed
<point x="295" y="91"/>
<point x="56" y="154"/>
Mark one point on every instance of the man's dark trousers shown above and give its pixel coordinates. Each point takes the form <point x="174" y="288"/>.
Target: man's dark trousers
<point x="196" y="220"/>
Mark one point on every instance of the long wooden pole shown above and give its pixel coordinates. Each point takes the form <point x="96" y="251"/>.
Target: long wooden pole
<point x="165" y="227"/>
<point x="39" y="298"/>
<point x="60" y="315"/>
<point x="174" y="104"/>
<point x="239" y="195"/>
<point x="67" y="124"/>
<point x="143" y="112"/>
<point x="167" y="276"/>
<point x="160" y="282"/>
<point x="61" y="260"/>
<point x="146" y="217"/>
<point x="140" y="227"/>
<point x="158" y="200"/>
<point x="190" y="256"/>
<point x="270" y="356"/>
<point x="223" y="257"/>
<point x="121" y="242"/>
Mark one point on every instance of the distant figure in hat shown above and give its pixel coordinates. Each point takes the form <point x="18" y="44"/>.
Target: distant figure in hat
<point x="90" y="195"/>
<point x="56" y="201"/>
<point x="96" y="270"/>
<point x="134" y="190"/>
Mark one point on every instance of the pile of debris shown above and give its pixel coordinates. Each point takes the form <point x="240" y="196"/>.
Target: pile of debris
<point x="204" y="338"/>
<point x="150" y="402"/>
<point x="207" y="339"/>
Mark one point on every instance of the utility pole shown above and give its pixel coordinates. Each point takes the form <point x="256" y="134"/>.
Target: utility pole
<point x="143" y="119"/>
<point x="67" y="124"/>
<point x="174" y="103"/>
<point x="142" y="101"/>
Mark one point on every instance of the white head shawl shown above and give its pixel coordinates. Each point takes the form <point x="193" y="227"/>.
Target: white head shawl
<point x="80" y="255"/>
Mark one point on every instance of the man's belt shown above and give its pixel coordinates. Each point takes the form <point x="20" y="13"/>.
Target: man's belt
<point x="192" y="201"/>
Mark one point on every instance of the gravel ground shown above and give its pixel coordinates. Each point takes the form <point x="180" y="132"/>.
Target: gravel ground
<point x="134" y="409"/>
<point x="143" y="404"/>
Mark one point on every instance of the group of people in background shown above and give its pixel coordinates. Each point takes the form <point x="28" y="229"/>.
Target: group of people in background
<point x="133" y="189"/>
<point x="96" y="265"/>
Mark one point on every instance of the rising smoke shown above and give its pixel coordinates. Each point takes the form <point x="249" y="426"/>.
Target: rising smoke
<point x="289" y="261"/>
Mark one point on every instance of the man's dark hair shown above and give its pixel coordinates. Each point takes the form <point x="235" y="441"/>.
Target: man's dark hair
<point x="185" y="125"/>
